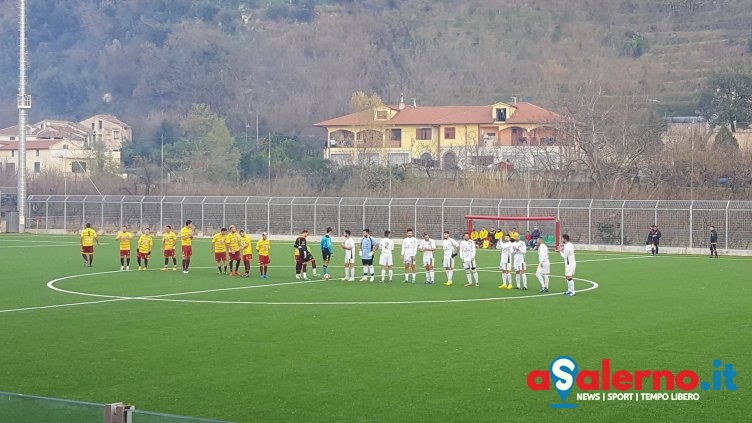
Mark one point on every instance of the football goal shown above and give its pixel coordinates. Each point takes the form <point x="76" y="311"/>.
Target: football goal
<point x="549" y="227"/>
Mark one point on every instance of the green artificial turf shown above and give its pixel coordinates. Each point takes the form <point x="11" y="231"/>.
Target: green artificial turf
<point x="232" y="352"/>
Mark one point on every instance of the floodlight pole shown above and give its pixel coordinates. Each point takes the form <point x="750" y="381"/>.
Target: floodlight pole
<point x="24" y="104"/>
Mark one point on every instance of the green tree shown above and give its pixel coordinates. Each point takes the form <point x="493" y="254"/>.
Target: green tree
<point x="727" y="99"/>
<point x="209" y="146"/>
<point x="725" y="139"/>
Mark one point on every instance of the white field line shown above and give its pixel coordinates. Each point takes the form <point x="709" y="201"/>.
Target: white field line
<point x="163" y="297"/>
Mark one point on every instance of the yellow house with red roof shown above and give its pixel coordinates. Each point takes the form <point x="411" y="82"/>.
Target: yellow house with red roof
<point x="447" y="137"/>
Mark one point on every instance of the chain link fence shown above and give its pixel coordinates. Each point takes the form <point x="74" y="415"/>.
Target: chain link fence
<point x="600" y="222"/>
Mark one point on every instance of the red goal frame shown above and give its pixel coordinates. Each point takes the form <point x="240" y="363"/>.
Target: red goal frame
<point x="557" y="224"/>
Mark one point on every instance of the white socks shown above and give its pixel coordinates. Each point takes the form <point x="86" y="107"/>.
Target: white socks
<point x="570" y="285"/>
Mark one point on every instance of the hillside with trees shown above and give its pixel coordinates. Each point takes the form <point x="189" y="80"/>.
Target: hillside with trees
<point x="297" y="62"/>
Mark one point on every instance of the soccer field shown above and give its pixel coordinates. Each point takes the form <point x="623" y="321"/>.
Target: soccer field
<point x="282" y="349"/>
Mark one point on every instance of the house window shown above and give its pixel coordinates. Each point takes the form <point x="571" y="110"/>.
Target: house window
<point x="36" y="152"/>
<point x="423" y="134"/>
<point x="12" y="138"/>
<point x="92" y="126"/>
<point x="449" y="133"/>
<point x="78" y="167"/>
<point x="10" y="167"/>
<point x="37" y="167"/>
<point x="99" y="137"/>
<point x="115" y="134"/>
<point x="382" y="115"/>
<point x="65" y="146"/>
<point x="501" y="114"/>
<point x="396" y="134"/>
<point x="100" y="124"/>
<point x="13" y="153"/>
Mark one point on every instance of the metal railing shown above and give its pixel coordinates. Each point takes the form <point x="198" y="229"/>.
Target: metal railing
<point x="602" y="222"/>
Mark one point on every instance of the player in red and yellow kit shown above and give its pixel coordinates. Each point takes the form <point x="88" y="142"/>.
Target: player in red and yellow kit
<point x="246" y="247"/>
<point x="88" y="237"/>
<point x="186" y="242"/>
<point x="263" y="246"/>
<point x="219" y="248"/>
<point x="169" y="239"/>
<point x="124" y="237"/>
<point x="233" y="246"/>
<point x="145" y="242"/>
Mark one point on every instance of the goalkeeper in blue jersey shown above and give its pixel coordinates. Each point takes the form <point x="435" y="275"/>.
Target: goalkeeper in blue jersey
<point x="326" y="251"/>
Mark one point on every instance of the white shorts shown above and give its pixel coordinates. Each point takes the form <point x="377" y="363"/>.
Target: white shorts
<point x="349" y="258"/>
<point x="385" y="260"/>
<point x="569" y="269"/>
<point x="519" y="263"/>
<point x="544" y="268"/>
<point x="468" y="264"/>
<point x="448" y="262"/>
<point x="504" y="264"/>
<point x="427" y="261"/>
<point x="409" y="259"/>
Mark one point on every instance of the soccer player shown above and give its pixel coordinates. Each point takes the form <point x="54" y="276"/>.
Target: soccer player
<point x="427" y="246"/>
<point x="246" y="249"/>
<point x="303" y="255"/>
<point x="124" y="237"/>
<point x="169" y="239"/>
<point x="518" y="256"/>
<point x="326" y="251"/>
<point x="505" y="246"/>
<point x="544" y="265"/>
<point x="349" y="246"/>
<point x="386" y="245"/>
<point x="186" y="243"/>
<point x="233" y="247"/>
<point x="570" y="264"/>
<point x="654" y="238"/>
<point x="263" y="246"/>
<point x="713" y="242"/>
<point x="367" y="249"/>
<point x="88" y="237"/>
<point x="145" y="242"/>
<point x="449" y="245"/>
<point x="467" y="255"/>
<point x="409" y="251"/>
<point x="219" y="248"/>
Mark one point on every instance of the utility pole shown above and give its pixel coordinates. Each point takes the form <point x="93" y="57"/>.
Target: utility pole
<point x="24" y="104"/>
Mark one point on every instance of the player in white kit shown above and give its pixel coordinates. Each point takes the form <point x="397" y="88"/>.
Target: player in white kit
<point x="544" y="265"/>
<point x="570" y="264"/>
<point x="409" y="251"/>
<point x="518" y="251"/>
<point x="386" y="245"/>
<point x="449" y="245"/>
<point x="349" y="246"/>
<point x="467" y="255"/>
<point x="427" y="246"/>
<point x="505" y="264"/>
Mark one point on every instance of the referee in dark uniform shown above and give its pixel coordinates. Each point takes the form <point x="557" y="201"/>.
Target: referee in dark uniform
<point x="713" y="242"/>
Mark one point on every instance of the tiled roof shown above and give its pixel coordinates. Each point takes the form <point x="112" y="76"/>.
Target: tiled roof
<point x="448" y="115"/>
<point x="30" y="145"/>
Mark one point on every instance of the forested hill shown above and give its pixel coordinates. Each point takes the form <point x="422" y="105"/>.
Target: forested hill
<point x="298" y="61"/>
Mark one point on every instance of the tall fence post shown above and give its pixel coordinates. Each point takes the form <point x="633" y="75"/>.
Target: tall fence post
<point x="65" y="214"/>
<point x="315" y="213"/>
<point x="161" y="213"/>
<point x="621" y="226"/>
<point x="180" y="224"/>
<point x="389" y="213"/>
<point x="728" y="203"/>
<point x="202" y="214"/>
<point x="101" y="209"/>
<point x="245" y="216"/>
<point x="224" y="212"/>
<point x="141" y="213"/>
<point x="365" y="200"/>
<point x="83" y="211"/>
<point x="415" y="214"/>
<point x="589" y="222"/>
<point x="269" y="215"/>
<point x="339" y="217"/>
<point x="691" y="222"/>
<point x="292" y="209"/>
<point x="47" y="213"/>
<point x="442" y="217"/>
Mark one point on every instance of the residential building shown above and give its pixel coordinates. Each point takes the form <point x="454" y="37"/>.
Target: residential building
<point x="449" y="137"/>
<point x="63" y="146"/>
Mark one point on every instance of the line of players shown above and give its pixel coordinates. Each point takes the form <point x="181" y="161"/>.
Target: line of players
<point x="512" y="256"/>
<point x="512" y="252"/>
